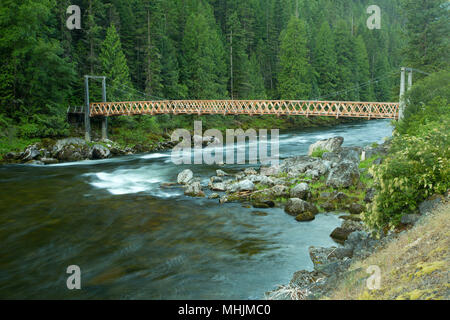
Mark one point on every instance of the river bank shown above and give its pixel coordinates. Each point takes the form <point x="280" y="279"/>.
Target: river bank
<point x="135" y="137"/>
<point x="330" y="179"/>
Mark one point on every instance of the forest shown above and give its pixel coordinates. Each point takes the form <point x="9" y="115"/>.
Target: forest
<point x="195" y="49"/>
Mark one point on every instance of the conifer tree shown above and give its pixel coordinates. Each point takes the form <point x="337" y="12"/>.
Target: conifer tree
<point x="204" y="58"/>
<point x="114" y="67"/>
<point x="325" y="60"/>
<point x="363" y="71"/>
<point x="293" y="79"/>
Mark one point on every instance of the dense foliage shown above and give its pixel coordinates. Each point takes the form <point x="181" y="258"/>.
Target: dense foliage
<point x="418" y="164"/>
<point x="173" y="49"/>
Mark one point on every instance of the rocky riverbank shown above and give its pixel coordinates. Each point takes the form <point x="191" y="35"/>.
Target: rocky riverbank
<point x="76" y="149"/>
<point x="331" y="178"/>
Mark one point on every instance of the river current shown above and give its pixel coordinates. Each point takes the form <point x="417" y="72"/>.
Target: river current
<point x="133" y="239"/>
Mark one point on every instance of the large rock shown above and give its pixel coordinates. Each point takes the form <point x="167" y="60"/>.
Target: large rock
<point x="429" y="205"/>
<point x="350" y="154"/>
<point x="185" y="176"/>
<point x="30" y="153"/>
<point x="321" y="256"/>
<point x="296" y="206"/>
<point x="356" y="208"/>
<point x="99" y="152"/>
<point x="344" y="175"/>
<point x="280" y="191"/>
<point x="71" y="149"/>
<point x="194" y="189"/>
<point x="244" y="185"/>
<point x="301" y="191"/>
<point x="270" y="171"/>
<point x="331" y="145"/>
<point x="410" y="219"/>
<point x="221" y="173"/>
<point x="341" y="234"/>
<point x="219" y="186"/>
<point x="261" y="179"/>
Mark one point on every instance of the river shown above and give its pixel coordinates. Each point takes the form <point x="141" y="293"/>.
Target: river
<point x="135" y="240"/>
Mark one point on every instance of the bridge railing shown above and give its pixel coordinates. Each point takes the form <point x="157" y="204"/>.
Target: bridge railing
<point x="370" y="110"/>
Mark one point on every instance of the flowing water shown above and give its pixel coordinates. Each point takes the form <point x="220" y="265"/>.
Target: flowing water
<point x="135" y="240"/>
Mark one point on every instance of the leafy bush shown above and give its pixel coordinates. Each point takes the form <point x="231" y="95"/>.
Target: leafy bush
<point x="318" y="153"/>
<point x="417" y="167"/>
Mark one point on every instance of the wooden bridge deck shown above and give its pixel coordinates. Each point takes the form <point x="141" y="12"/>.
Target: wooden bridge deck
<point x="351" y="109"/>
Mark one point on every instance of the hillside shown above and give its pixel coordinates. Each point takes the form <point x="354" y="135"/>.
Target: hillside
<point x="413" y="266"/>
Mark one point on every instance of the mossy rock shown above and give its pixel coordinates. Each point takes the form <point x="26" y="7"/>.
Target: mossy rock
<point x="305" y="216"/>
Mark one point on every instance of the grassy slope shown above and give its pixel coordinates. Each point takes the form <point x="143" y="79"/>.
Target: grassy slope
<point x="414" y="266"/>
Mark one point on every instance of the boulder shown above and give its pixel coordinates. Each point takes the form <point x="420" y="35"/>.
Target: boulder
<point x="11" y="156"/>
<point x="99" y="151"/>
<point x="280" y="191"/>
<point x="313" y="174"/>
<point x="344" y="175"/>
<point x="194" y="189"/>
<point x="263" y="204"/>
<point x="264" y="180"/>
<point x="219" y="186"/>
<point x="350" y="154"/>
<point x="328" y="206"/>
<point x="321" y="256"/>
<point x="301" y="191"/>
<point x="410" y="219"/>
<point x="429" y="205"/>
<point x="305" y="216"/>
<point x="30" y="153"/>
<point x="340" y="235"/>
<point x="70" y="149"/>
<point x="331" y="145"/>
<point x="356" y="208"/>
<point x="221" y="173"/>
<point x="185" y="176"/>
<point x="214" y="196"/>
<point x="244" y="185"/>
<point x="296" y="206"/>
<point x="270" y="171"/>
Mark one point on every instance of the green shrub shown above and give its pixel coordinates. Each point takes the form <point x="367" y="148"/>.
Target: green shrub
<point x="318" y="153"/>
<point x="416" y="168"/>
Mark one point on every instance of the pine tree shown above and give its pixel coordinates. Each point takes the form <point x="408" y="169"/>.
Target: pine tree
<point x="114" y="67"/>
<point x="325" y="60"/>
<point x="345" y="67"/>
<point x="428" y="28"/>
<point x="363" y="71"/>
<point x="204" y="58"/>
<point x="293" y="78"/>
<point x="238" y="60"/>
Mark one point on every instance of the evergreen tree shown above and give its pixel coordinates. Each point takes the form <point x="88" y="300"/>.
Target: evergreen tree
<point x="293" y="78"/>
<point x="204" y="67"/>
<point x="325" y="60"/>
<point x="114" y="67"/>
<point x="428" y="28"/>
<point x="363" y="71"/>
<point x="345" y="66"/>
